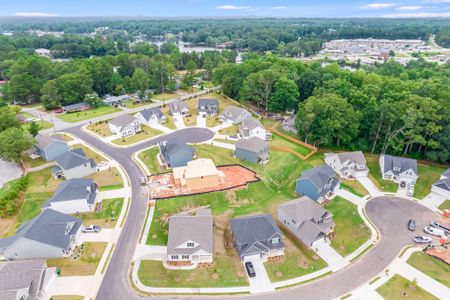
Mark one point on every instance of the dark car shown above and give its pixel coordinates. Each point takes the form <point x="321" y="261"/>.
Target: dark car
<point x="411" y="225"/>
<point x="442" y="226"/>
<point x="250" y="269"/>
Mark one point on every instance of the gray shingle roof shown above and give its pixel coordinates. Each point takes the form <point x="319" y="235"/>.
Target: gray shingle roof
<point x="443" y="183"/>
<point x="320" y="175"/>
<point x="45" y="141"/>
<point x="172" y="147"/>
<point x="250" y="124"/>
<point x="207" y="105"/>
<point x="49" y="227"/>
<point x="74" y="189"/>
<point x="178" y="106"/>
<point x="198" y="228"/>
<point x="354" y="156"/>
<point x="446" y="173"/>
<point x="122" y="121"/>
<point x="76" y="106"/>
<point x="253" y="144"/>
<point x="149" y="112"/>
<point x="232" y="112"/>
<point x="391" y="162"/>
<point x="114" y="99"/>
<point x="74" y="158"/>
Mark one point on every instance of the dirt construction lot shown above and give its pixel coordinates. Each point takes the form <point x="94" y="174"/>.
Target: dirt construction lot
<point x="163" y="185"/>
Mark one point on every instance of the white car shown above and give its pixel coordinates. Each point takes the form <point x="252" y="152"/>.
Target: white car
<point x="434" y="231"/>
<point x="422" y="239"/>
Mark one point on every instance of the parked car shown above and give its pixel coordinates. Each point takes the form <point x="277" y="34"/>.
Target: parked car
<point x="412" y="225"/>
<point x="422" y="239"/>
<point x="91" y="229"/>
<point x="434" y="231"/>
<point x="250" y="269"/>
<point x="442" y="226"/>
<point x="59" y="111"/>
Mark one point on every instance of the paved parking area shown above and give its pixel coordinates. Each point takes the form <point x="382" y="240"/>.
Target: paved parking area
<point x="261" y="282"/>
<point x="10" y="171"/>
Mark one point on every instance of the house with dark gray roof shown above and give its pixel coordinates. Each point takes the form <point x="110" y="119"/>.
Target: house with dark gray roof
<point x="318" y="183"/>
<point x="174" y="153"/>
<point x="48" y="147"/>
<point x="306" y="220"/>
<point x="398" y="169"/>
<point x="25" y="280"/>
<point x="442" y="186"/>
<point x="116" y="100"/>
<point x="253" y="128"/>
<point x="348" y="164"/>
<point x="208" y="107"/>
<point x="178" y="108"/>
<point x="257" y="237"/>
<point x="76" y="107"/>
<point x="73" y="196"/>
<point x="191" y="237"/>
<point x="254" y="150"/>
<point x="74" y="164"/>
<point x="234" y="114"/>
<point x="124" y="125"/>
<point x="51" y="234"/>
<point x="151" y="116"/>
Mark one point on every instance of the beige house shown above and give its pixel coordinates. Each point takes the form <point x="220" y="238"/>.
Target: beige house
<point x="199" y="173"/>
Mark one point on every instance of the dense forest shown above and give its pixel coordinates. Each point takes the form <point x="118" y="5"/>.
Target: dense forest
<point x="388" y="108"/>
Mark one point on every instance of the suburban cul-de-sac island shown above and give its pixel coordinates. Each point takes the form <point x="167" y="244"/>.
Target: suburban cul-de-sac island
<point x="224" y="158"/>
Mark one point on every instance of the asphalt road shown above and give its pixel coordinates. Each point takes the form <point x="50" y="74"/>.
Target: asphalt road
<point x="389" y="214"/>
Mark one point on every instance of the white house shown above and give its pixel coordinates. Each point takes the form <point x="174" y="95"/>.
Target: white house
<point x="348" y="164"/>
<point x="253" y="128"/>
<point x="151" y="116"/>
<point x="398" y="169"/>
<point x="234" y="114"/>
<point x="124" y="125"/>
<point x="178" y="108"/>
<point x="442" y="186"/>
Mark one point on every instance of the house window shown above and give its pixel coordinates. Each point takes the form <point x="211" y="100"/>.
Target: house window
<point x="276" y="240"/>
<point x="190" y="245"/>
<point x="184" y="256"/>
<point x="293" y="221"/>
<point x="174" y="257"/>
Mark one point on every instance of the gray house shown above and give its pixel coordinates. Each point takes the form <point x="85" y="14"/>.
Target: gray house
<point x="318" y="183"/>
<point x="74" y="164"/>
<point x="257" y="237"/>
<point x="178" y="108"/>
<point x="208" y="107"/>
<point x="398" y="169"/>
<point x="73" y="196"/>
<point x="25" y="280"/>
<point x="191" y="237"/>
<point x="234" y="114"/>
<point x="51" y="234"/>
<point x="76" y="107"/>
<point x="48" y="147"/>
<point x="253" y="149"/>
<point x="307" y="220"/>
<point x="116" y="100"/>
<point x="174" y="153"/>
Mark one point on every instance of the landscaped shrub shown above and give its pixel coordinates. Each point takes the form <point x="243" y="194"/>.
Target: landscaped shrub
<point x="7" y="200"/>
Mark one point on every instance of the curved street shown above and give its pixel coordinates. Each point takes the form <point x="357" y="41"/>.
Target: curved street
<point x="389" y="214"/>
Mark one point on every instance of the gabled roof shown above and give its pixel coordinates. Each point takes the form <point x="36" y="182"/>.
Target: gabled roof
<point x="391" y="162"/>
<point x="122" y="121"/>
<point x="172" y="147"/>
<point x="253" y="144"/>
<point x="198" y="228"/>
<point x="354" y="156"/>
<point x="150" y="112"/>
<point x="443" y="184"/>
<point x="49" y="227"/>
<point x="319" y="176"/>
<point x="45" y="141"/>
<point x="74" y="189"/>
<point x="178" y="106"/>
<point x="74" y="158"/>
<point x="303" y="209"/>
<point x="232" y="112"/>
<point x="112" y="99"/>
<point x="209" y="103"/>
<point x="250" y="124"/>
<point x="76" y="106"/>
<point x="446" y="173"/>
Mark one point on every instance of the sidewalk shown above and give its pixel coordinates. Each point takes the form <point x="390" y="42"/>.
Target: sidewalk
<point x="358" y="201"/>
<point x="224" y="145"/>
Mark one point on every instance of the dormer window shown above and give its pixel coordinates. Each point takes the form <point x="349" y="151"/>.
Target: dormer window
<point x="190" y="245"/>
<point x="68" y="228"/>
<point x="276" y="240"/>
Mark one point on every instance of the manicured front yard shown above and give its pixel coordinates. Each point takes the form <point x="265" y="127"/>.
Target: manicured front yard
<point x="351" y="231"/>
<point x="230" y="131"/>
<point x="146" y="133"/>
<point x="354" y="187"/>
<point x="375" y="175"/>
<point x="399" y="287"/>
<point x="101" y="128"/>
<point x="149" y="158"/>
<point x="445" y="205"/>
<point x="169" y="120"/>
<point x="83" y="264"/>
<point x="436" y="269"/>
<point x="90" y="153"/>
<point x="193" y="111"/>
<point x="427" y="176"/>
<point x="108" y="215"/>
<point x="88" y="114"/>
<point x="107" y="179"/>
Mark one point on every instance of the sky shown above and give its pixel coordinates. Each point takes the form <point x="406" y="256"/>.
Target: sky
<point x="226" y="8"/>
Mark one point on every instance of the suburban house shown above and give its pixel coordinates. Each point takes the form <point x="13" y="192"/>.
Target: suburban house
<point x="398" y="169"/>
<point x="318" y="183"/>
<point x="348" y="164"/>
<point x="174" y="153"/>
<point x="116" y="100"/>
<point x="208" y="107"/>
<point x="178" y="108"/>
<point x="25" y="280"/>
<point x="48" y="147"/>
<point x="77" y="107"/>
<point x="254" y="150"/>
<point x="198" y="174"/>
<point x="234" y="114"/>
<point x="442" y="186"/>
<point x="124" y="125"/>
<point x="74" y="164"/>
<point x="306" y="220"/>
<point x="191" y="237"/>
<point x="257" y="237"/>
<point x="151" y="116"/>
<point x="73" y="196"/>
<point x="253" y="128"/>
<point x="51" y="234"/>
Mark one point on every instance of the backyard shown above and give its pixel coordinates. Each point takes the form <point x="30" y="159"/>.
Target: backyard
<point x="88" y="114"/>
<point x="107" y="216"/>
<point x="375" y="175"/>
<point x="427" y="176"/>
<point x="146" y="133"/>
<point x="436" y="269"/>
<point x="83" y="263"/>
<point x="351" y="232"/>
<point x="399" y="287"/>
<point x="282" y="142"/>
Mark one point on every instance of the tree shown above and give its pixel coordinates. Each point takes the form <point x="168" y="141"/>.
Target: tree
<point x="50" y="95"/>
<point x="74" y="86"/>
<point x="92" y="99"/>
<point x="8" y="118"/>
<point x="259" y="87"/>
<point x="13" y="141"/>
<point x="140" y="81"/>
<point x="34" y="128"/>
<point x="285" y="96"/>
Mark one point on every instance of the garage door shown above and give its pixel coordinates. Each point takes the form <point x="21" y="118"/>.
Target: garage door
<point x="318" y="242"/>
<point x="252" y="257"/>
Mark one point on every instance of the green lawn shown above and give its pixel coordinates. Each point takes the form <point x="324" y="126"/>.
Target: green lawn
<point x="169" y="120"/>
<point x="436" y="269"/>
<point x="88" y="114"/>
<point x="43" y="124"/>
<point x="445" y="205"/>
<point x="375" y="175"/>
<point x="146" y="133"/>
<point x="427" y="176"/>
<point x="282" y="142"/>
<point x="89" y="152"/>
<point x="221" y="274"/>
<point x="351" y="231"/>
<point x="354" y="187"/>
<point x="164" y="96"/>
<point x="31" y="163"/>
<point x="230" y="131"/>
<point x="148" y="157"/>
<point x="107" y="217"/>
<point x="101" y="128"/>
<point x="399" y="287"/>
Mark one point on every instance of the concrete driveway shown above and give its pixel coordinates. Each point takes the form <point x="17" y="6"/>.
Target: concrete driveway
<point x="369" y="186"/>
<point x="105" y="235"/>
<point x="261" y="282"/>
<point x="328" y="254"/>
<point x="179" y="122"/>
<point x="433" y="200"/>
<point x="201" y="121"/>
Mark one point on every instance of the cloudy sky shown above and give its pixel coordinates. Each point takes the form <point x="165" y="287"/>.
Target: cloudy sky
<point x="224" y="8"/>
